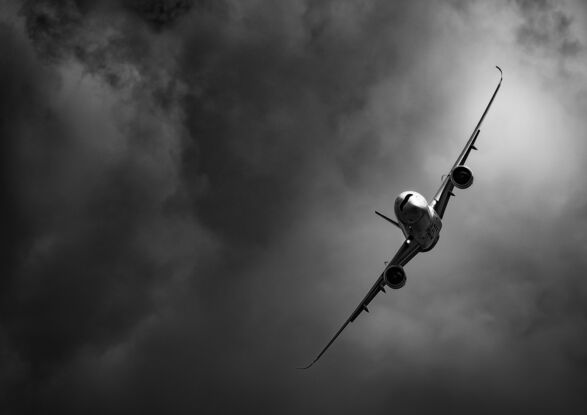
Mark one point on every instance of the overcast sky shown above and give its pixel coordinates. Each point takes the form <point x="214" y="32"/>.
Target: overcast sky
<point x="188" y="196"/>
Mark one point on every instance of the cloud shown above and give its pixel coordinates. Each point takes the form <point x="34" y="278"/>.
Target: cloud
<point x="92" y="163"/>
<point x="161" y="13"/>
<point x="545" y="27"/>
<point x="190" y="189"/>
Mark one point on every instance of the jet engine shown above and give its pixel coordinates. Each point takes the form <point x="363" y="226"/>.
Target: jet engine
<point x="462" y="177"/>
<point x="395" y="277"/>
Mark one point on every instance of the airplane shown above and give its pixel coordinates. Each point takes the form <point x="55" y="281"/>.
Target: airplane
<point x="420" y="223"/>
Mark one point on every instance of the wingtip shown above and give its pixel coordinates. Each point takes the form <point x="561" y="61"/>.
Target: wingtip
<point x="500" y="72"/>
<point x="306" y="367"/>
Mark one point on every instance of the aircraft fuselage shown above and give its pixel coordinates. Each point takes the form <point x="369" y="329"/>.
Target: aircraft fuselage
<point x="417" y="219"/>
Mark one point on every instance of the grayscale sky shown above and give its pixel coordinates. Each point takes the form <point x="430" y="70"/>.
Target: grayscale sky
<point x="188" y="196"/>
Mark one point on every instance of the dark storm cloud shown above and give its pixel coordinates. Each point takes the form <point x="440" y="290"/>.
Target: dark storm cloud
<point x="546" y="27"/>
<point x="187" y="185"/>
<point x="161" y="14"/>
<point x="51" y="25"/>
<point x="85" y="198"/>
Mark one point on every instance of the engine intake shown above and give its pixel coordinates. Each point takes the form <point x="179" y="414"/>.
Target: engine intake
<point x="462" y="177"/>
<point x="395" y="276"/>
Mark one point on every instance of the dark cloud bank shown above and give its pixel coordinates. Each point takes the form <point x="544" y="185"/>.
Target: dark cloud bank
<point x="186" y="187"/>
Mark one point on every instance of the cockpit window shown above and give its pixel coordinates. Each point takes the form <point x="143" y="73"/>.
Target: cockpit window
<point x="401" y="206"/>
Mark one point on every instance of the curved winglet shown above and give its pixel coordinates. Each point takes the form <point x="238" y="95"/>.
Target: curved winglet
<point x="440" y="199"/>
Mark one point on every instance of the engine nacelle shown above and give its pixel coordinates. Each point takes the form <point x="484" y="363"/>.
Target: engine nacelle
<point x="461" y="177"/>
<point x="395" y="277"/>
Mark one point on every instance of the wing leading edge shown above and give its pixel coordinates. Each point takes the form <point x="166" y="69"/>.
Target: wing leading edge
<point x="409" y="249"/>
<point x="405" y="253"/>
<point x="443" y="194"/>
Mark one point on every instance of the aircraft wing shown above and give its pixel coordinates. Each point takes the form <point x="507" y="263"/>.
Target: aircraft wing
<point x="445" y="192"/>
<point x="404" y="254"/>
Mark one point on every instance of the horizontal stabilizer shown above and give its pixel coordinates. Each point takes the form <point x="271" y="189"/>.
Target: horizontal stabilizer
<point x="388" y="219"/>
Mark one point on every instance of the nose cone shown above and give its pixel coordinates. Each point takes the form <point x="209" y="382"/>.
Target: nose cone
<point x="410" y="207"/>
